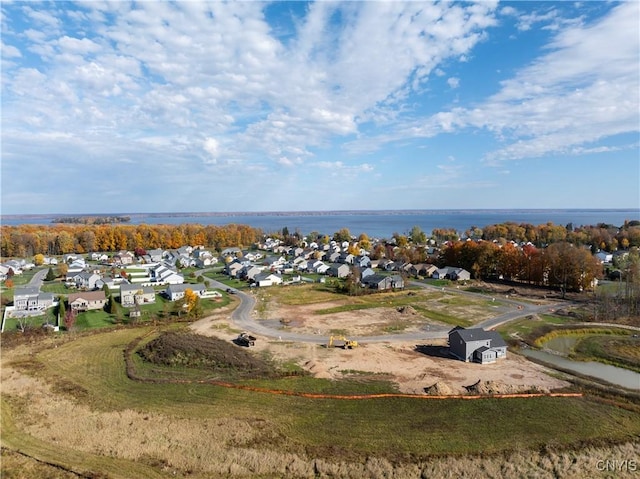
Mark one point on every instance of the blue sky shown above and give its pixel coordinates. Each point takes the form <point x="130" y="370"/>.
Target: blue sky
<point x="291" y="106"/>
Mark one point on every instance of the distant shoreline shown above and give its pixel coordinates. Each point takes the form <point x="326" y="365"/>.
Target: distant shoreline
<point x="319" y="213"/>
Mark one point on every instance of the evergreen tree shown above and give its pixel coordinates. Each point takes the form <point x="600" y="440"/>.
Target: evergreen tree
<point x="113" y="307"/>
<point x="50" y="275"/>
<point x="61" y="308"/>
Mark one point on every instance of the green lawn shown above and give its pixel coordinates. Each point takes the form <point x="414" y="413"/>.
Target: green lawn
<point x="525" y="326"/>
<point x="57" y="288"/>
<point x="393" y="427"/>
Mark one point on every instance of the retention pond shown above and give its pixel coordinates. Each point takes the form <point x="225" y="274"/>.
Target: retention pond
<point x="555" y="353"/>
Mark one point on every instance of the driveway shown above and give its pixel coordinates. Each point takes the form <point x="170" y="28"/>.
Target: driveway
<point x="38" y="279"/>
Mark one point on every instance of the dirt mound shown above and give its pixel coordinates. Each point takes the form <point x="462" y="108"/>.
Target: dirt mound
<point x="493" y="387"/>
<point x="407" y="310"/>
<point x="317" y="369"/>
<point x="193" y="350"/>
<point x="440" y="389"/>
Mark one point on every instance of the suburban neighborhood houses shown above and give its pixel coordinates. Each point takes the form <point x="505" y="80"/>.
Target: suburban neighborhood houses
<point x="135" y="278"/>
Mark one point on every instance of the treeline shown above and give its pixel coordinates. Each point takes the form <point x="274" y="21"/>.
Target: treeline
<point x="601" y="236"/>
<point x="28" y="240"/>
<point x="92" y="220"/>
<point x="561" y="265"/>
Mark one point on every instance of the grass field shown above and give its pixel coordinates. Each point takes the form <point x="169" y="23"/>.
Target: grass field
<point x="527" y="326"/>
<point x="431" y="305"/>
<point x="618" y="351"/>
<point x="138" y="428"/>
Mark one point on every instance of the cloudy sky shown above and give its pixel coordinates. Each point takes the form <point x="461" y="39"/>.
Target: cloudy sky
<point x="287" y="106"/>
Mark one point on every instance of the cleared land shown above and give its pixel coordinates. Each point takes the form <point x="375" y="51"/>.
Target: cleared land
<point x="68" y="401"/>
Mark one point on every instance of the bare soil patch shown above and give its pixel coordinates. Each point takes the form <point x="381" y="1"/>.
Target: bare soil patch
<point x="413" y="367"/>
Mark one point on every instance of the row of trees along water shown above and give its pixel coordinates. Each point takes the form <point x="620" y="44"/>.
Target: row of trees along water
<point x="27" y="240"/>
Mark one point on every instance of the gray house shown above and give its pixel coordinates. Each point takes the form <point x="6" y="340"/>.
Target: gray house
<point x="339" y="270"/>
<point x="476" y="344"/>
<point x="30" y="298"/>
<point x="132" y="294"/>
<point x="380" y="282"/>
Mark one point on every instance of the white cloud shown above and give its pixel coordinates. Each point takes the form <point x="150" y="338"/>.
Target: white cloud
<point x="453" y="82"/>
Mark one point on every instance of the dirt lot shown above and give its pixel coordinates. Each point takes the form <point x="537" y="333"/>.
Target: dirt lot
<point x="415" y="368"/>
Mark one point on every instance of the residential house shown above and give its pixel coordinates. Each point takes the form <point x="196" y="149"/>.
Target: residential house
<point x="253" y="256"/>
<point x="339" y="270"/>
<point x="386" y="264"/>
<point x="604" y="257"/>
<point x="363" y="261"/>
<point x="132" y="294"/>
<point x="76" y="266"/>
<point x="111" y="282"/>
<point x="102" y="257"/>
<point x="274" y="262"/>
<point x="380" y="282"/>
<point x="205" y="261"/>
<point x="233" y="268"/>
<point x="83" y="279"/>
<point x="251" y="272"/>
<point x="176" y="291"/>
<point x="300" y="263"/>
<point x="268" y="279"/>
<point x="422" y="269"/>
<point x="30" y="298"/>
<point x="366" y="272"/>
<point x="452" y="273"/>
<point x="476" y="344"/>
<point x="333" y="256"/>
<point x="70" y="258"/>
<point x="123" y="257"/>
<point x="162" y="274"/>
<point x="155" y="255"/>
<point x="235" y="252"/>
<point x="87" y="301"/>
<point x="346" y="258"/>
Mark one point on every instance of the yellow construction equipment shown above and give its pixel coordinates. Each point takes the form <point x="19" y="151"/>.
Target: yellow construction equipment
<point x="347" y="343"/>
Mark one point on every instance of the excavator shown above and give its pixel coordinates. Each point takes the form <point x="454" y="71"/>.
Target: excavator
<point x="347" y="343"/>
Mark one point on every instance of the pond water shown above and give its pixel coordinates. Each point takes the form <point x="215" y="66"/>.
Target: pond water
<point x="564" y="345"/>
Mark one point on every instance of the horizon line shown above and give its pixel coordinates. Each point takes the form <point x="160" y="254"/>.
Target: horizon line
<point x="309" y="212"/>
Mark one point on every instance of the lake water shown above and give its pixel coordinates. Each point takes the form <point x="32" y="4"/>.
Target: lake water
<point x="376" y="224"/>
<point x="564" y="345"/>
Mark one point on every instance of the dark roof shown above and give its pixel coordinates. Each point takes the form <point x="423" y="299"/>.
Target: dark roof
<point x="479" y="334"/>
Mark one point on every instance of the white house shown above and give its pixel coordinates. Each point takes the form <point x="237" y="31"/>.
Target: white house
<point x="176" y="291"/>
<point x="268" y="279"/>
<point x="161" y="274"/>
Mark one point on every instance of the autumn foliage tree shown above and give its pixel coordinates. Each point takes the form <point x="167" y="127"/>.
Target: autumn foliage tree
<point x="70" y="319"/>
<point x="189" y="304"/>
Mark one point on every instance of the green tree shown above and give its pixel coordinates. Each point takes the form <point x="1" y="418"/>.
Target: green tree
<point x="50" y="275"/>
<point x="113" y="307"/>
<point x="61" y="307"/>
<point x="343" y="235"/>
<point x="417" y="235"/>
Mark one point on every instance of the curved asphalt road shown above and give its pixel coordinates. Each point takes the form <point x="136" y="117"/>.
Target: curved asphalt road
<point x="242" y="317"/>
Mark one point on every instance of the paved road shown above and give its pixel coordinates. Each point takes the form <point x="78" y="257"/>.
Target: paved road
<point x="243" y="318"/>
<point x="38" y="278"/>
